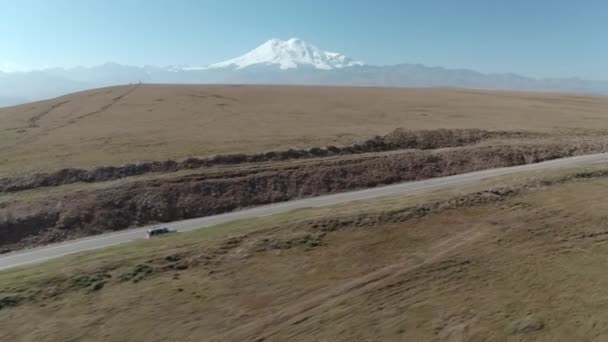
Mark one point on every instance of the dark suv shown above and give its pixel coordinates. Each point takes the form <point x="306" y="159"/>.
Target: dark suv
<point x="159" y="231"/>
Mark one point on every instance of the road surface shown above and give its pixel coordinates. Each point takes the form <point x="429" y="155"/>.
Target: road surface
<point x="54" y="251"/>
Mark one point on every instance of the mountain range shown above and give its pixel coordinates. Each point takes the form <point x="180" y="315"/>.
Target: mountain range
<point x="276" y="62"/>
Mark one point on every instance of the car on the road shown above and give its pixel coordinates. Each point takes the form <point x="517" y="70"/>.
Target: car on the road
<point x="159" y="231"/>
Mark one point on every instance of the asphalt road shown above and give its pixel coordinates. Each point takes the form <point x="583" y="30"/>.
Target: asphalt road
<point x="57" y="250"/>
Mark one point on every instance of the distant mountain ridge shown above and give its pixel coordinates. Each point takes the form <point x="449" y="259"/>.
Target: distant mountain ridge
<point x="276" y="62"/>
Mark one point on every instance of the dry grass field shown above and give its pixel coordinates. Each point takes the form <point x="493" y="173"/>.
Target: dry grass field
<point x="520" y="258"/>
<point x="127" y="124"/>
<point x="421" y="133"/>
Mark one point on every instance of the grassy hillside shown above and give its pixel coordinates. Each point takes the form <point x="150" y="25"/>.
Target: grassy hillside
<point x="519" y="258"/>
<point x="156" y="122"/>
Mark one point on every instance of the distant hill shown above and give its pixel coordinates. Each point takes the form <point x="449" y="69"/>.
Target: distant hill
<point x="277" y="62"/>
<point x="129" y="124"/>
<point x="11" y="101"/>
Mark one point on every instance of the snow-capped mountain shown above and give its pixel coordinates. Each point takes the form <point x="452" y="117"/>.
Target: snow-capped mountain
<point x="289" y="54"/>
<point x="274" y="62"/>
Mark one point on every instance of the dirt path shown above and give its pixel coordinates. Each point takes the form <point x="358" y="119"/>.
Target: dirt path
<point x="33" y="121"/>
<point x="106" y="106"/>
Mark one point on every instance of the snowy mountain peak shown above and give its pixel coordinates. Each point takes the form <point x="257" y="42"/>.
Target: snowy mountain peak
<point x="289" y="54"/>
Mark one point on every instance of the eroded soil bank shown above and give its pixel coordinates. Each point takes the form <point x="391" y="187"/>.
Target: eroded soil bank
<point x="83" y="213"/>
<point x="396" y="140"/>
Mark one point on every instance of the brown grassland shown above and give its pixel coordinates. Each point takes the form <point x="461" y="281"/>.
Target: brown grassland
<point x="271" y="143"/>
<point x="518" y="258"/>
<point x="128" y="124"/>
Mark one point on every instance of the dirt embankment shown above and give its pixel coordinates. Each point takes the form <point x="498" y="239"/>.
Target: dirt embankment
<point x="398" y="139"/>
<point x="151" y="201"/>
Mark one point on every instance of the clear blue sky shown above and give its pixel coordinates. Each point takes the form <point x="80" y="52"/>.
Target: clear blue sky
<point x="543" y="38"/>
